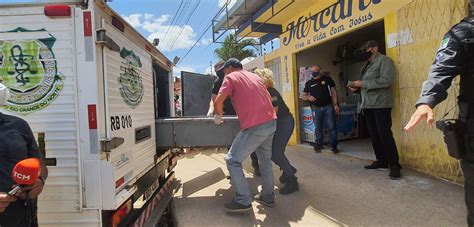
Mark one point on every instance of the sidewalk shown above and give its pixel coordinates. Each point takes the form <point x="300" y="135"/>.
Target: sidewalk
<point x="335" y="190"/>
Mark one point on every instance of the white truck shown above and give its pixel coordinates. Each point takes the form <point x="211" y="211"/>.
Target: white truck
<point x="91" y="88"/>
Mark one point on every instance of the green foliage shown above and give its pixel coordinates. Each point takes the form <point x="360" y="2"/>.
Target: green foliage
<point x="233" y="49"/>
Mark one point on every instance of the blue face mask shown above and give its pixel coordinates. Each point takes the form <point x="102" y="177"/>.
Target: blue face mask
<point x="315" y="74"/>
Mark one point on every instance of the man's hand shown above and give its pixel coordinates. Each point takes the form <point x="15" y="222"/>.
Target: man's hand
<point x="218" y="119"/>
<point x="423" y="111"/>
<point x="337" y="109"/>
<point x="354" y="89"/>
<point x="32" y="190"/>
<point x="356" y="84"/>
<point x="311" y="98"/>
<point x="5" y="200"/>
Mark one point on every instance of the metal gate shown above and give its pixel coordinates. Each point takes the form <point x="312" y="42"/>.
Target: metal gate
<point x="275" y="66"/>
<point x="196" y="93"/>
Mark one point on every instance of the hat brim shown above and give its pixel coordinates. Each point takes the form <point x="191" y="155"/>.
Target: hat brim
<point x="221" y="68"/>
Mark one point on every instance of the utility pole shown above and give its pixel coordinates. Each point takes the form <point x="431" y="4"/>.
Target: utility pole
<point x="210" y="64"/>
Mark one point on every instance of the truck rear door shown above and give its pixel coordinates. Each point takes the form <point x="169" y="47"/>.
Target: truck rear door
<point x="129" y="105"/>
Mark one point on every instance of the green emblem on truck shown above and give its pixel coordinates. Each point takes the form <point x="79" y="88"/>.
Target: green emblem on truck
<point x="130" y="80"/>
<point x="28" y="68"/>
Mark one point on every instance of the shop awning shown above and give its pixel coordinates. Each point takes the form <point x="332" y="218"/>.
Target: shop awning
<point x="262" y="19"/>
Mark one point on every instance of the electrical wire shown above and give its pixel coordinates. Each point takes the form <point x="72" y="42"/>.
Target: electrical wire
<point x="187" y="21"/>
<point x="177" y="23"/>
<point x="197" y="41"/>
<point x="173" y="21"/>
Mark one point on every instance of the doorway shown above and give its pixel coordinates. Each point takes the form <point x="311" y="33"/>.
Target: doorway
<point x="163" y="103"/>
<point x="338" y="60"/>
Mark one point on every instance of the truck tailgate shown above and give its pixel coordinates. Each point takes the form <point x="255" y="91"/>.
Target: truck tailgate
<point x="195" y="132"/>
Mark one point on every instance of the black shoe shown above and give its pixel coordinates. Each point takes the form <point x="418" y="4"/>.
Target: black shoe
<point x="317" y="148"/>
<point x="269" y="203"/>
<point x="334" y="150"/>
<point x="376" y="165"/>
<point x="237" y="207"/>
<point x="283" y="178"/>
<point x="395" y="172"/>
<point x="290" y="186"/>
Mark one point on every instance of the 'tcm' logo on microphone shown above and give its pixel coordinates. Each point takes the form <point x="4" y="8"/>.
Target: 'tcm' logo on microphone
<point x="20" y="176"/>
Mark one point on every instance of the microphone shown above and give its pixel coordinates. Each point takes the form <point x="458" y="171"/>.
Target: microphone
<point x="25" y="172"/>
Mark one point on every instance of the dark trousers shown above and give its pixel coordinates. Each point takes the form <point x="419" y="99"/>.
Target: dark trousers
<point x="467" y="165"/>
<point x="284" y="129"/>
<point x="468" y="170"/>
<point x="379" y="125"/>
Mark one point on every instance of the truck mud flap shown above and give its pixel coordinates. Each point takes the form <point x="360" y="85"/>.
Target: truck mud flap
<point x="152" y="211"/>
<point x="195" y="132"/>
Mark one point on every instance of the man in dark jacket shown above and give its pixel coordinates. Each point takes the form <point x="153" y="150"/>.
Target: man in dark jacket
<point x="376" y="104"/>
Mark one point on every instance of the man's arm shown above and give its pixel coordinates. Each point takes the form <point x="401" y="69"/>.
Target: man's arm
<point x="211" y="105"/>
<point x="335" y="101"/>
<point x="5" y="200"/>
<point x="387" y="74"/>
<point x="306" y="96"/>
<point x="450" y="61"/>
<point x="34" y="152"/>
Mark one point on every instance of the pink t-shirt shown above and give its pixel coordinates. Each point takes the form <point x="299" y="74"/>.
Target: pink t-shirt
<point x="250" y="98"/>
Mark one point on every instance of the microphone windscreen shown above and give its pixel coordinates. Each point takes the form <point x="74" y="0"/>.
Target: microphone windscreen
<point x="27" y="171"/>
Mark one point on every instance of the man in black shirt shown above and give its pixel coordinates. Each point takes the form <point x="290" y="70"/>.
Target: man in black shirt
<point x="228" y="108"/>
<point x="321" y="91"/>
<point x="17" y="143"/>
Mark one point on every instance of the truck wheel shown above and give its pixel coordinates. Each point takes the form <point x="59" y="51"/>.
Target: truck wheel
<point x="168" y="218"/>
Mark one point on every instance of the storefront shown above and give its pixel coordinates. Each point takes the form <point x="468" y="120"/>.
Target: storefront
<point x="327" y="32"/>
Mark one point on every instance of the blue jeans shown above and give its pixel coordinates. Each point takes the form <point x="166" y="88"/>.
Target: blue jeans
<point x="325" y="116"/>
<point x="258" y="139"/>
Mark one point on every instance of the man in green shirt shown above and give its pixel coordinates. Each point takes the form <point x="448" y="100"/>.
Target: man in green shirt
<point x="375" y="102"/>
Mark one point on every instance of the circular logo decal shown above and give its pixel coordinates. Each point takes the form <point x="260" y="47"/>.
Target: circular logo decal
<point x="132" y="84"/>
<point x="29" y="69"/>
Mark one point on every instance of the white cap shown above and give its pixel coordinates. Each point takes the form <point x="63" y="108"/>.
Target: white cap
<point x="4" y="94"/>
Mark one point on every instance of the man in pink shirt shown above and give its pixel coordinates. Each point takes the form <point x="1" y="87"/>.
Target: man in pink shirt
<point x="254" y="109"/>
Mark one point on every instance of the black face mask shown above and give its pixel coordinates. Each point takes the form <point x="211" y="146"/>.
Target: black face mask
<point x="315" y="74"/>
<point x="220" y="74"/>
<point x="363" y="55"/>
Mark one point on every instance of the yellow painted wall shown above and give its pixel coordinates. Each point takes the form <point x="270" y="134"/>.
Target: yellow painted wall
<point x="423" y="149"/>
<point x="391" y="26"/>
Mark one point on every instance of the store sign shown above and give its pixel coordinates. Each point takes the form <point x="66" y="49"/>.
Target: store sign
<point x="399" y="38"/>
<point x="341" y="17"/>
<point x="287" y="75"/>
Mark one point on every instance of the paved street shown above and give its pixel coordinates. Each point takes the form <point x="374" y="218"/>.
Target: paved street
<point x="335" y="190"/>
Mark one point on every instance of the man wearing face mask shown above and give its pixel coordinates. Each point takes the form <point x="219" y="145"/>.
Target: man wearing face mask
<point x="376" y="104"/>
<point x="321" y="91"/>
<point x="17" y="143"/>
<point x="228" y="108"/>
